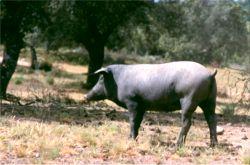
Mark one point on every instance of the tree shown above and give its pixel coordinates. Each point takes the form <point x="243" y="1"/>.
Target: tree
<point x="199" y="30"/>
<point x="13" y="27"/>
<point x="90" y="23"/>
<point x="32" y="39"/>
<point x="166" y="17"/>
<point x="217" y="28"/>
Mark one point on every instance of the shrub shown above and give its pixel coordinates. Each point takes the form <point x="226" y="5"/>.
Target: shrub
<point x="19" y="80"/>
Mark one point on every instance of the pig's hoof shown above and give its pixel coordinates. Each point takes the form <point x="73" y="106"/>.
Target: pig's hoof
<point x="131" y="137"/>
<point x="213" y="144"/>
<point x="219" y="130"/>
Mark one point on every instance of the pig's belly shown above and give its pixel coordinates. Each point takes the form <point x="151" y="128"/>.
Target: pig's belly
<point x="164" y="105"/>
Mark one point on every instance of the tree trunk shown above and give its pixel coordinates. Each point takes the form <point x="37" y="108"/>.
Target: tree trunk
<point x="8" y="66"/>
<point x="34" y="63"/>
<point x="96" y="56"/>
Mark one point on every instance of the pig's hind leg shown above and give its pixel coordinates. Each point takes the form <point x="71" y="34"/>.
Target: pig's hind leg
<point x="208" y="108"/>
<point x="188" y="107"/>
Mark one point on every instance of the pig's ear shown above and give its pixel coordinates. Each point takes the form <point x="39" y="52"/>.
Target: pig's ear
<point x="102" y="71"/>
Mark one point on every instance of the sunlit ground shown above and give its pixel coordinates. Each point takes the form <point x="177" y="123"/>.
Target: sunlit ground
<point x="58" y="127"/>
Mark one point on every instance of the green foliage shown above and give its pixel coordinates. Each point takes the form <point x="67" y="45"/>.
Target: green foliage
<point x="228" y="110"/>
<point x="144" y="38"/>
<point x="50" y="80"/>
<point x="73" y="56"/>
<point x="49" y="153"/>
<point x="204" y="31"/>
<point x="182" y="151"/>
<point x="218" y="29"/>
<point x="89" y="23"/>
<point x="33" y="37"/>
<point x="19" y="80"/>
<point x="86" y="22"/>
<point x="13" y="24"/>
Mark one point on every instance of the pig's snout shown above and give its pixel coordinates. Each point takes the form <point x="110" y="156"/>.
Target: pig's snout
<point x="85" y="98"/>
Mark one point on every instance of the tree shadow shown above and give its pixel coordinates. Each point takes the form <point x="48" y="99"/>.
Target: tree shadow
<point x="99" y="112"/>
<point x="63" y="113"/>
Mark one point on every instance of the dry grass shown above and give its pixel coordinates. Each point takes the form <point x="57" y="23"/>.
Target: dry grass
<point x="45" y="142"/>
<point x="86" y="135"/>
<point x="59" y="128"/>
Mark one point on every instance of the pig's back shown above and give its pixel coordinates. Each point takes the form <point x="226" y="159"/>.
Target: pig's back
<point x="158" y="82"/>
<point x="158" y="73"/>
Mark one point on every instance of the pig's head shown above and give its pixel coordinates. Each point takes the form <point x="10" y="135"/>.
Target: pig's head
<point x="102" y="88"/>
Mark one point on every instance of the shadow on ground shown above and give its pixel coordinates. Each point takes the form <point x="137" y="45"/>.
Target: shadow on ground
<point x="99" y="112"/>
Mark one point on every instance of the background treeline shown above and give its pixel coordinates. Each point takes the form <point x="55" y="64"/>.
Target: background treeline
<point x="205" y="31"/>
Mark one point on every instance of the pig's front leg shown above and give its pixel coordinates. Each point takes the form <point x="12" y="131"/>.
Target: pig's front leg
<point x="135" y="117"/>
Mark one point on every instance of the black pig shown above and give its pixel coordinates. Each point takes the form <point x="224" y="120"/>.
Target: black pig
<point x="163" y="87"/>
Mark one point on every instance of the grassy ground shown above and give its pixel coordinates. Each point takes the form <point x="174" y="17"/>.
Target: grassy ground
<point x="58" y="127"/>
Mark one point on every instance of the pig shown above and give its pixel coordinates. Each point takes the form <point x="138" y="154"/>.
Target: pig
<point x="181" y="85"/>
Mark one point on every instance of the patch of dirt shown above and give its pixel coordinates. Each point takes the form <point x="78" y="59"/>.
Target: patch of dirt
<point x="20" y="62"/>
<point x="238" y="135"/>
<point x="74" y="69"/>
